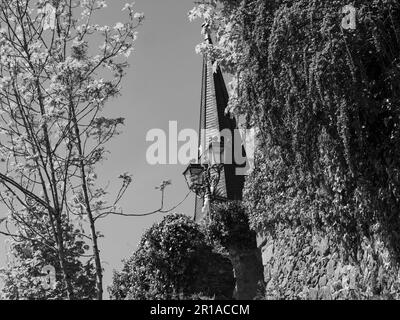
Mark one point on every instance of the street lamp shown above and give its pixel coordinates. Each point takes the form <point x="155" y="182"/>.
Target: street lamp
<point x="203" y="178"/>
<point x="194" y="175"/>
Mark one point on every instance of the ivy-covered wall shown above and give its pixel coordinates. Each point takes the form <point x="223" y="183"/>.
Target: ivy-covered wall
<point x="229" y="228"/>
<point x="302" y="264"/>
<point x="325" y="100"/>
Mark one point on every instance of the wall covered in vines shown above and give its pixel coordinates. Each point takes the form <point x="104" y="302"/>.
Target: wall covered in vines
<point x="326" y="102"/>
<point x="229" y="229"/>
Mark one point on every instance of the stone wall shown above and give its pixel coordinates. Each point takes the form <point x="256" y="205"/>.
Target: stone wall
<point x="229" y="228"/>
<point x="215" y="277"/>
<point x="248" y="272"/>
<point x="299" y="264"/>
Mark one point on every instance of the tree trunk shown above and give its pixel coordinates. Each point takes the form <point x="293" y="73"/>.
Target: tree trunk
<point x="96" y="252"/>
<point x="60" y="247"/>
<point x="57" y="212"/>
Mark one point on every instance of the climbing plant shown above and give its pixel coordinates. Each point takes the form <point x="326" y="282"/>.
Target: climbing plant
<point x="229" y="226"/>
<point x="325" y="100"/>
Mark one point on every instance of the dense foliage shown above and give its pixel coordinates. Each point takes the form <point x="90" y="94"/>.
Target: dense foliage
<point x="173" y="261"/>
<point x="229" y="229"/>
<point x="326" y="103"/>
<point x="229" y="226"/>
<point x="23" y="278"/>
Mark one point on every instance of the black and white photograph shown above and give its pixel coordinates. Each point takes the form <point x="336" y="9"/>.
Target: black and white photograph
<point x="200" y="156"/>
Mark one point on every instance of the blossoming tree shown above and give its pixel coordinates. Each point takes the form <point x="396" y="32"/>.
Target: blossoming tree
<point x="53" y="88"/>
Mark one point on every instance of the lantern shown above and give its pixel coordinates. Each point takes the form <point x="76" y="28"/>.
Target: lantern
<point x="194" y="176"/>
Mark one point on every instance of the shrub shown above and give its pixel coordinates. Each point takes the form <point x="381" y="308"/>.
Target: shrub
<point x="174" y="261"/>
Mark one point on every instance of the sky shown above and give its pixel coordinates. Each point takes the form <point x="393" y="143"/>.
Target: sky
<point x="161" y="85"/>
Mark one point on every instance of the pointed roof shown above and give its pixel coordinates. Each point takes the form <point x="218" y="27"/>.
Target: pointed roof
<point x="213" y="120"/>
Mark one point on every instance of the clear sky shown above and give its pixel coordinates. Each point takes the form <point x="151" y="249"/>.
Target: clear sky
<point x="162" y="85"/>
